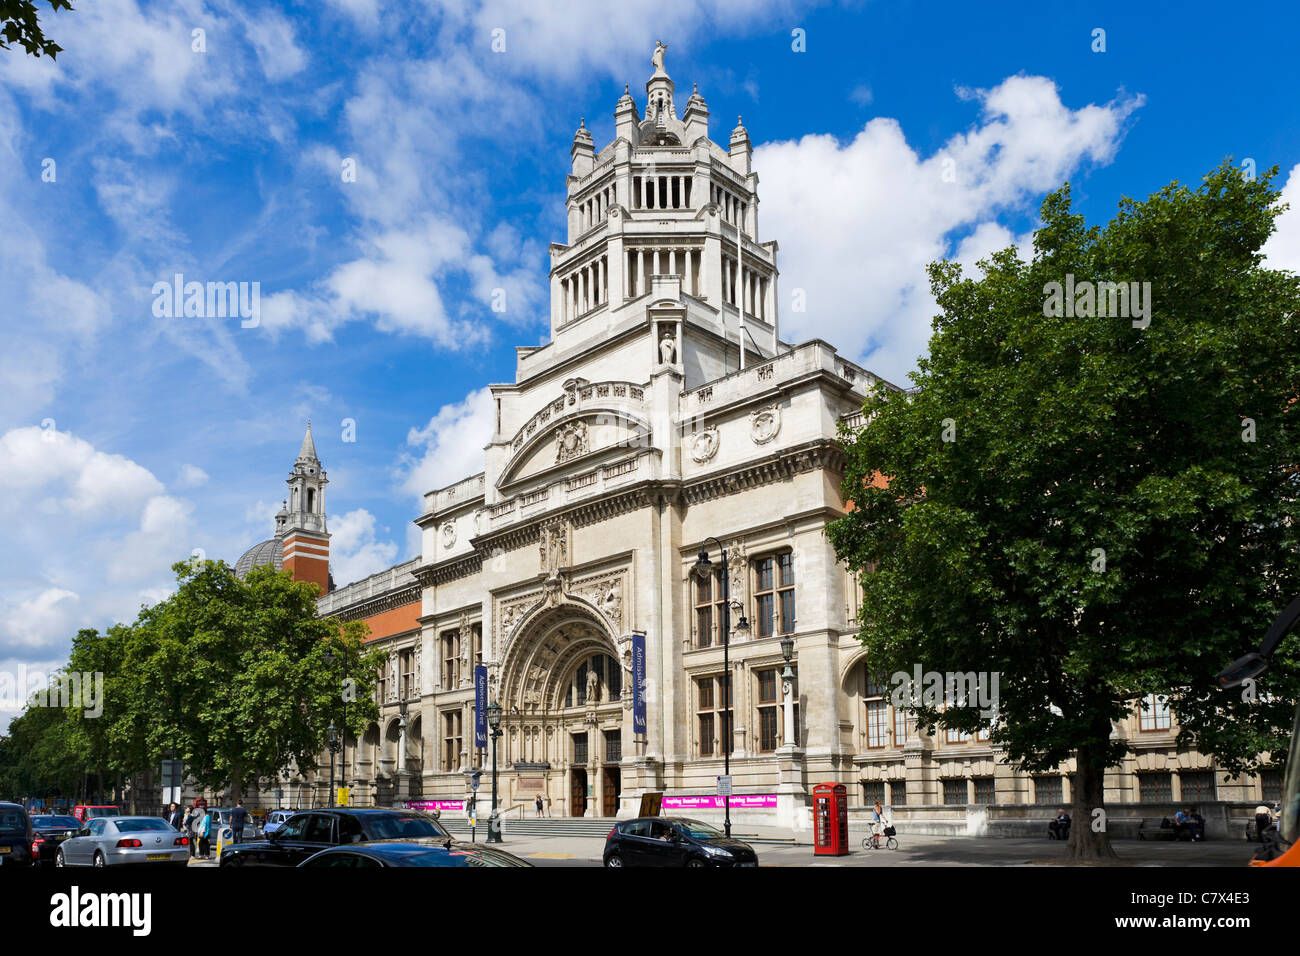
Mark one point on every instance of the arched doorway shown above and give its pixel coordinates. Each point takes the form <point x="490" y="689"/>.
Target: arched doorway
<point x="564" y="712"/>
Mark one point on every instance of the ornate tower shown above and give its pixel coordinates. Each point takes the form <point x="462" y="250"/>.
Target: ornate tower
<point x="302" y="528"/>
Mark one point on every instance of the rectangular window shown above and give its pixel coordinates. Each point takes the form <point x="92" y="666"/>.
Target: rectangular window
<point x="954" y="793"/>
<point x="711" y="720"/>
<point x="1270" y="785"/>
<point x="954" y="736"/>
<point x="450" y="660"/>
<point x="1196" y="786"/>
<point x="579" y="749"/>
<point x="1154" y="713"/>
<point x="770" y="716"/>
<point x="451" y="741"/>
<point x="984" y="790"/>
<point x="613" y="746"/>
<point x="712" y="616"/>
<point x="766" y="729"/>
<point x="774" y="594"/>
<point x="1155" y="788"/>
<point x="406" y="667"/>
<point x="877" y="713"/>
<point x="898" y="793"/>
<point x="902" y="725"/>
<point x="873" y="790"/>
<point x="1047" y="790"/>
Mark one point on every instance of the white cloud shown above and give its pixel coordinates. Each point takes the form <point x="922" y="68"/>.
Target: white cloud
<point x="859" y="221"/>
<point x="355" y="551"/>
<point x="89" y="536"/>
<point x="1282" y="251"/>
<point x="192" y="476"/>
<point x="450" y="446"/>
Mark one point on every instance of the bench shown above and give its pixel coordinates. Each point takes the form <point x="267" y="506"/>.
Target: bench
<point x="1166" y="831"/>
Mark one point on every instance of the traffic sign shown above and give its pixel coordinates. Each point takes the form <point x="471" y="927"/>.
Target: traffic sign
<point x="724" y="786"/>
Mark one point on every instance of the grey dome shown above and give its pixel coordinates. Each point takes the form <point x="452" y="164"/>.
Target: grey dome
<point x="270" y="551"/>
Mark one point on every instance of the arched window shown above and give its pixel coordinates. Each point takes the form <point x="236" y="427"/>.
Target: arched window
<point x="609" y="681"/>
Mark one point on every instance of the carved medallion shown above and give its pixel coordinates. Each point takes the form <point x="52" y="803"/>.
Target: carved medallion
<point x="704" y="444"/>
<point x="764" y="423"/>
<point x="448" y="534"/>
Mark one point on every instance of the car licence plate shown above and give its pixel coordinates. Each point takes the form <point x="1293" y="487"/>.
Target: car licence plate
<point x="158" y="857"/>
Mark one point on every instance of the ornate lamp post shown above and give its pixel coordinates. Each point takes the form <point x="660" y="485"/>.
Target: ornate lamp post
<point x="787" y="689"/>
<point x="333" y="748"/>
<point x="494" y="724"/>
<point x="703" y="565"/>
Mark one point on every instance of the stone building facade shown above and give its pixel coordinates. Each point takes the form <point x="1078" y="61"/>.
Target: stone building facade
<point x="666" y="416"/>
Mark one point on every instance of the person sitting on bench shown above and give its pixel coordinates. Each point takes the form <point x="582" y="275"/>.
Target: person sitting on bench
<point x="1183" y="820"/>
<point x="1059" y="828"/>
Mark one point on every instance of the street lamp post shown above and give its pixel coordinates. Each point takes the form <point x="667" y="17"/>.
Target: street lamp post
<point x="494" y="722"/>
<point x="787" y="689"/>
<point x="343" y="744"/>
<point x="333" y="748"/>
<point x="703" y="565"/>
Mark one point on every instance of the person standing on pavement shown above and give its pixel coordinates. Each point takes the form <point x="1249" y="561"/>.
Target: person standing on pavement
<point x="189" y="825"/>
<point x="204" y="830"/>
<point x="537" y="804"/>
<point x="174" y="816"/>
<point x="238" y="820"/>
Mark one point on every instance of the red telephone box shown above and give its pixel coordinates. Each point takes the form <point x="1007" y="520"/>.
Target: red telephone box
<point x="830" y="819"/>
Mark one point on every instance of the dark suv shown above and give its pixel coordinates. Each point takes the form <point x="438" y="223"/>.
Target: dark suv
<point x="674" y="841"/>
<point x="15" y="835"/>
<point x="307" y="833"/>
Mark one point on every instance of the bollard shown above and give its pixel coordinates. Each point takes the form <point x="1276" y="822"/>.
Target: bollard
<point x="225" y="836"/>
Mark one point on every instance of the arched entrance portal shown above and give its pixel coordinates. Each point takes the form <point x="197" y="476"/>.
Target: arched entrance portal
<point x="564" y="719"/>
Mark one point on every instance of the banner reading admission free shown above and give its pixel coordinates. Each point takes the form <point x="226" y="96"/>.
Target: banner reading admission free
<point x="480" y="706"/>
<point x="638" y="684"/>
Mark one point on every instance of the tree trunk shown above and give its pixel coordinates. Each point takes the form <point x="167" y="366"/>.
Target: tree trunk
<point x="1089" y="839"/>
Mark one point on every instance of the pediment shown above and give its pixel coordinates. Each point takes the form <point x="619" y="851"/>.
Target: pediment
<point x="574" y="439"/>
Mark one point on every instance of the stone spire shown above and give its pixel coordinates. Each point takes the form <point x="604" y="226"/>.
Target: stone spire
<point x="307" y="454"/>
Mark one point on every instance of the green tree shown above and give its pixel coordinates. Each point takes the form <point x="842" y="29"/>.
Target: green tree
<point x="1093" y="510"/>
<point x="20" y="23"/>
<point x="235" y="675"/>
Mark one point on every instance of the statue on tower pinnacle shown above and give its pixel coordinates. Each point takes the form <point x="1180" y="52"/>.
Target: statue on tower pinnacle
<point x="657" y="60"/>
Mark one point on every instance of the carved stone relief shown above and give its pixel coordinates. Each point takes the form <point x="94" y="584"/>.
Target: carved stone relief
<point x="570" y="441"/>
<point x="704" y="444"/>
<point x="764" y="424"/>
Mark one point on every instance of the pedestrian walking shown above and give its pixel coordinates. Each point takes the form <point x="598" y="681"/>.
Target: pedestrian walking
<point x="189" y="824"/>
<point x="537" y="802"/>
<point x="174" y="815"/>
<point x="238" y="820"/>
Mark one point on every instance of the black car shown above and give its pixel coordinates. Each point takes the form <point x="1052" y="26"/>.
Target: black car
<point x="426" y="852"/>
<point x="306" y="834"/>
<point x="15" y="835"/>
<point x="674" y="841"/>
<point x="48" y="831"/>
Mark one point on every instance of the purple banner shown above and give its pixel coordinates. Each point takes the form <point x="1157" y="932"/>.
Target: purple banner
<point x="480" y="706"/>
<point x="435" y="804"/>
<point x="638" y="684"/>
<point x="741" y="801"/>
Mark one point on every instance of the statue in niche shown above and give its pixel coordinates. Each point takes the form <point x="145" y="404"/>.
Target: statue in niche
<point x="593" y="687"/>
<point x="667" y="349"/>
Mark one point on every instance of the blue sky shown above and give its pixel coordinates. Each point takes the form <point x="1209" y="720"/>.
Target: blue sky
<point x="128" y="440"/>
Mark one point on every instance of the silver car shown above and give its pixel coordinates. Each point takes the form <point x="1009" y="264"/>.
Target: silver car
<point x="110" y="841"/>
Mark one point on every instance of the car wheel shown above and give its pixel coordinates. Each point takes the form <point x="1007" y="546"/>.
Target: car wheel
<point x="614" y="860"/>
<point x="694" y="863"/>
<point x="99" y="860"/>
<point x="58" y="857"/>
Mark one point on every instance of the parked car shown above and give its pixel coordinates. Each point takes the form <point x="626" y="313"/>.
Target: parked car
<point x="48" y="831"/>
<point x="274" y="819"/>
<point x="112" y="841"/>
<point x="307" y="833"/>
<point x="15" y="835"/>
<point x="221" y="818"/>
<point x="86" y="812"/>
<point x="425" y="852"/>
<point x="674" y="841"/>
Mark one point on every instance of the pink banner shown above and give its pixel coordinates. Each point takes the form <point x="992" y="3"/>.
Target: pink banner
<point x="742" y="801"/>
<point x="435" y="804"/>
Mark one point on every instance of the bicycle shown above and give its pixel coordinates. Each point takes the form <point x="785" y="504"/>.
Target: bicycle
<point x="874" y="842"/>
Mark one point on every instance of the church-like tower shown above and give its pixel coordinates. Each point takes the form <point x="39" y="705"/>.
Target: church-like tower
<point x="301" y="525"/>
<point x="664" y="221"/>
